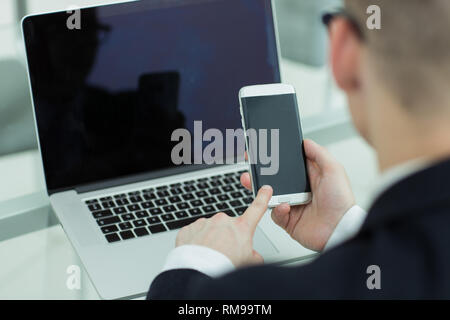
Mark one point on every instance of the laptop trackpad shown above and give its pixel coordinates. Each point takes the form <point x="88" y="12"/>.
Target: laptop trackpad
<point x="262" y="244"/>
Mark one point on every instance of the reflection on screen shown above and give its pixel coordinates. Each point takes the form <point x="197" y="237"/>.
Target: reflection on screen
<point x="109" y="96"/>
<point x="279" y="112"/>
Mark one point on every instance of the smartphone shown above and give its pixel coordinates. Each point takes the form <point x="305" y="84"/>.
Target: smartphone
<point x="271" y="122"/>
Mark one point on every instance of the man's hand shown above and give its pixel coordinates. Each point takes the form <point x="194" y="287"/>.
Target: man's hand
<point x="231" y="236"/>
<point x="312" y="224"/>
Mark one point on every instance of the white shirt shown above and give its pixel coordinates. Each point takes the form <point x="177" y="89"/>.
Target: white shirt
<point x="214" y="263"/>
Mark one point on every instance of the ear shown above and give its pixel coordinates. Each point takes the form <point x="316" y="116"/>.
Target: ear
<point x="345" y="53"/>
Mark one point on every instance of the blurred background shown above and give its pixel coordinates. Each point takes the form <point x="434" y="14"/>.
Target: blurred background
<point x="34" y="259"/>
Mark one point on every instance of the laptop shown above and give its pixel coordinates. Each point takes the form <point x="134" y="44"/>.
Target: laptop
<point x="108" y="95"/>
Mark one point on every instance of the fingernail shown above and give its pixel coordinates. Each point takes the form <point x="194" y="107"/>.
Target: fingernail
<point x="266" y="187"/>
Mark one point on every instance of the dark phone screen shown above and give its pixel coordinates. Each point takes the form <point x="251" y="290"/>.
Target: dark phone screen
<point x="109" y="96"/>
<point x="278" y="112"/>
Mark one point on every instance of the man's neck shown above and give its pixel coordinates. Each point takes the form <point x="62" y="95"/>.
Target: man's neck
<point x="428" y="142"/>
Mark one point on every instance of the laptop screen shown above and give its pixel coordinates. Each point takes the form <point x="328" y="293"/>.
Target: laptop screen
<point x="112" y="83"/>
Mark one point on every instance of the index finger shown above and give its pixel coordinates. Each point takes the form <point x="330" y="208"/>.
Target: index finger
<point x="255" y="212"/>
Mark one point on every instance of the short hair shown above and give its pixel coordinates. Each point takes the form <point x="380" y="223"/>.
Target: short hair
<point x="411" y="51"/>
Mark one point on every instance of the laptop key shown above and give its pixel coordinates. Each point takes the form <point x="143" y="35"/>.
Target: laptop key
<point x="240" y="210"/>
<point x="95" y="207"/>
<point x="183" y="205"/>
<point x="236" y="203"/>
<point x="228" y="181"/>
<point x="155" y="211"/>
<point x="120" y="210"/>
<point x="127" y="217"/>
<point x="210" y="200"/>
<point x="148" y="190"/>
<point x="149" y="196"/>
<point x="106" y="199"/>
<point x="170" y="208"/>
<point x="134" y="193"/>
<point x="215" y="183"/>
<point x="189" y="182"/>
<point x="134" y="207"/>
<point x="126" y="235"/>
<point x="168" y="217"/>
<point x="236" y="195"/>
<point x="141" y="232"/>
<point x="174" y="199"/>
<point x="107" y="221"/>
<point x="196" y="203"/>
<point x="208" y="209"/>
<point x="102" y="214"/>
<point x="177" y="224"/>
<point x="163" y="194"/>
<point x="109" y="229"/>
<point x="108" y="204"/>
<point x="157" y="228"/>
<point x="223" y="197"/>
<point x="181" y="214"/>
<point x="88" y="202"/>
<point x="239" y="185"/>
<point x="222" y="206"/>
<point x="189" y="189"/>
<point x="147" y="205"/>
<point x="161" y="202"/>
<point x="125" y="226"/>
<point x="202" y="185"/>
<point x="175" y="185"/>
<point x="153" y="220"/>
<point x="162" y="188"/>
<point x="195" y="212"/>
<point x="139" y="223"/>
<point x="122" y="202"/>
<point x="188" y="196"/>
<point x="141" y="214"/>
<point x="113" y="237"/>
<point x="227" y="189"/>
<point x="248" y="200"/>
<point x="215" y="191"/>
<point x="201" y="194"/>
<point x="136" y="199"/>
<point x="176" y="191"/>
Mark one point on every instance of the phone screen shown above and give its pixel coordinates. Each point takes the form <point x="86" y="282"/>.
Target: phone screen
<point x="269" y="113"/>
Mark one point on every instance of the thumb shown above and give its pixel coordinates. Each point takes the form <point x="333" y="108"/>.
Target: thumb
<point x="318" y="154"/>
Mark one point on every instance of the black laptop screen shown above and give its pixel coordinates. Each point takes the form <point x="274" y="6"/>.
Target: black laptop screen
<point x="109" y="95"/>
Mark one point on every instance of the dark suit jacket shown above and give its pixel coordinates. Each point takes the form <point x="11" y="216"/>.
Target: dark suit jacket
<point x="406" y="234"/>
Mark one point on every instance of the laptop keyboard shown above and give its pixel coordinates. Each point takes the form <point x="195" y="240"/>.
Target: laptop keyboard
<point x="168" y="207"/>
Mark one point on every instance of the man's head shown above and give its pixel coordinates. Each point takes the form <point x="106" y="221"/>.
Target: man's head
<point x="398" y="76"/>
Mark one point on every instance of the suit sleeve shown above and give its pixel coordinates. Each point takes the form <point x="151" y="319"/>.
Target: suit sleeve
<point x="175" y="284"/>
